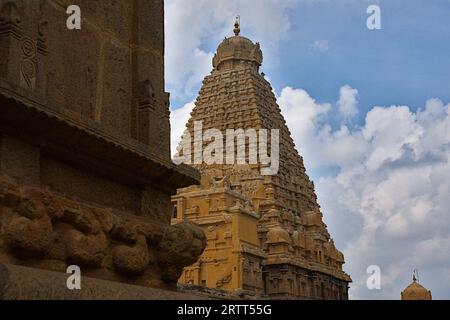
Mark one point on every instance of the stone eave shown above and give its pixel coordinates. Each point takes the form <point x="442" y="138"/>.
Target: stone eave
<point x="250" y="248"/>
<point x="201" y="192"/>
<point x="84" y="143"/>
<point x="340" y="275"/>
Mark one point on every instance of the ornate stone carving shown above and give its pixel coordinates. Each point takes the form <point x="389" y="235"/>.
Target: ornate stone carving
<point x="182" y="244"/>
<point x="132" y="259"/>
<point x="274" y="221"/>
<point x="45" y="226"/>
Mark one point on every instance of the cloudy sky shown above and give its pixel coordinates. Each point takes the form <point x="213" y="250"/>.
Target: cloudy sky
<point x="369" y="111"/>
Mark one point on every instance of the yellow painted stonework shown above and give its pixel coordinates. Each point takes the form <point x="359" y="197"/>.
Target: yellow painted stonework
<point x="265" y="234"/>
<point x="232" y="234"/>
<point x="416" y="291"/>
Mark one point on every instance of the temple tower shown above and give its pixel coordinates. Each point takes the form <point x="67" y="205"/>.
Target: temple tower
<point x="265" y="231"/>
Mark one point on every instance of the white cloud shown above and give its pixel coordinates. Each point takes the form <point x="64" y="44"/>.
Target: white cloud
<point x="295" y="102"/>
<point x="390" y="131"/>
<point x="178" y="120"/>
<point x="388" y="204"/>
<point x="306" y="120"/>
<point x="348" y="102"/>
<point x="191" y="23"/>
<point x="320" y="46"/>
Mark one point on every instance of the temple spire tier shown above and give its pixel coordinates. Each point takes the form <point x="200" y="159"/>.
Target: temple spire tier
<point x="238" y="51"/>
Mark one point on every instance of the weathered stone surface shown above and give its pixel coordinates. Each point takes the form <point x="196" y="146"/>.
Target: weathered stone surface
<point x="19" y="160"/>
<point x="20" y="283"/>
<point x="133" y="259"/>
<point x="4" y="278"/>
<point x="219" y="294"/>
<point x="265" y="234"/>
<point x="182" y="244"/>
<point x="30" y="236"/>
<point x="39" y="228"/>
<point x="96" y="73"/>
<point x="85" y="171"/>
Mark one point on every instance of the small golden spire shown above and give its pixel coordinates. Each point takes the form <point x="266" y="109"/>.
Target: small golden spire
<point x="237" y="28"/>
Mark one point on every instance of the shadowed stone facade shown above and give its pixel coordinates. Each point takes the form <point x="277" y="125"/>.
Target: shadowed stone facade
<point x="85" y="171"/>
<point x="265" y="234"/>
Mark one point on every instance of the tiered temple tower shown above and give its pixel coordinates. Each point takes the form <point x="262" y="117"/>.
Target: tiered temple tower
<point x="265" y="233"/>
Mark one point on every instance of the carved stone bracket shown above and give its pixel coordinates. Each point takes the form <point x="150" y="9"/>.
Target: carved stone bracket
<point x="45" y="230"/>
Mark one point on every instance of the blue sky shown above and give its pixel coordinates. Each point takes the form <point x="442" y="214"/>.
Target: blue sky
<point x="406" y="62"/>
<point x="382" y="169"/>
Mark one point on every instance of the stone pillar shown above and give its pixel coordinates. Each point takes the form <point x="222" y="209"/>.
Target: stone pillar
<point x="151" y="117"/>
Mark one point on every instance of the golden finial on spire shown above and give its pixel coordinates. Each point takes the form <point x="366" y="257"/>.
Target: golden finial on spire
<point x="237" y="24"/>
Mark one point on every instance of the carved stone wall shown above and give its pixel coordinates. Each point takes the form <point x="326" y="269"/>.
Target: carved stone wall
<point x="110" y="73"/>
<point x="43" y="229"/>
<point x="85" y="171"/>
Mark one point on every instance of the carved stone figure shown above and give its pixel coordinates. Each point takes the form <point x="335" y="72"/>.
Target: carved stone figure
<point x="182" y="244"/>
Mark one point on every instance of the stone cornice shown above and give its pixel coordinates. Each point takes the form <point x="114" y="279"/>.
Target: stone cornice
<point x="85" y="142"/>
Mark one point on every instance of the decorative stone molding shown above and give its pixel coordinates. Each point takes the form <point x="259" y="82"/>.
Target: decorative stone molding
<point x="37" y="225"/>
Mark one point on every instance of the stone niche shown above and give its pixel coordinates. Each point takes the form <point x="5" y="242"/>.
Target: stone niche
<point x="85" y="171"/>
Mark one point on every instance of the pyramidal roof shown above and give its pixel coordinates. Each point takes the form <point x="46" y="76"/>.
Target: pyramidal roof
<point x="236" y="96"/>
